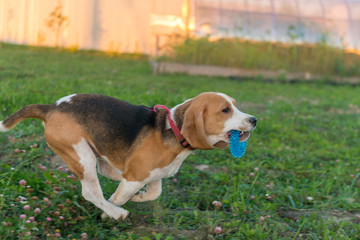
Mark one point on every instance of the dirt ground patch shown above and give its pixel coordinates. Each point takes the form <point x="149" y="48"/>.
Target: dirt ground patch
<point x="189" y="234"/>
<point x="332" y="215"/>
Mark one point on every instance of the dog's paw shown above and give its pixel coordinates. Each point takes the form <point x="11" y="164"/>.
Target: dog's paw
<point x="119" y="214"/>
<point x="145" y="196"/>
<point x="138" y="197"/>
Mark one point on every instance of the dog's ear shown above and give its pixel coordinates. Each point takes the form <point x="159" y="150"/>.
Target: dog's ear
<point x="193" y="128"/>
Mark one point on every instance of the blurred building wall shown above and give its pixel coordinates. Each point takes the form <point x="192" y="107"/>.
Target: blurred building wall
<point x="107" y="25"/>
<point x="334" y="22"/>
<point x="144" y="26"/>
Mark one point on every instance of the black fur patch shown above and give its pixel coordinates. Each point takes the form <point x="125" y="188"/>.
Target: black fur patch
<point x="109" y="120"/>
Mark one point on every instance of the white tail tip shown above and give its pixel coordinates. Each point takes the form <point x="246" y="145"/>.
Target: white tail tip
<point x="2" y="127"/>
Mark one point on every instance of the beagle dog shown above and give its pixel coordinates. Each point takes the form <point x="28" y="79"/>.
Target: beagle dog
<point x="136" y="145"/>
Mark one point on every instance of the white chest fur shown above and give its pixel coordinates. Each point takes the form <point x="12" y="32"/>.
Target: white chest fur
<point x="170" y="170"/>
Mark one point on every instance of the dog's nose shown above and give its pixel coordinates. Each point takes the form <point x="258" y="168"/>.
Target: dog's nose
<point x="253" y="121"/>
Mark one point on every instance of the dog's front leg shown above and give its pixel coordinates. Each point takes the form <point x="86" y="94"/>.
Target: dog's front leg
<point x="153" y="191"/>
<point x="124" y="192"/>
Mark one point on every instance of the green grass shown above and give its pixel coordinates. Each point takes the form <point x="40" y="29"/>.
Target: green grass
<point x="306" y="145"/>
<point x="320" y="58"/>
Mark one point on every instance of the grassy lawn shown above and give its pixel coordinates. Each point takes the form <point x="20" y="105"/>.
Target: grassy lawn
<point x="299" y="178"/>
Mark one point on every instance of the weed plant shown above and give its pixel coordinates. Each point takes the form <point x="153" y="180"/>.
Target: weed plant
<point x="319" y="58"/>
<point x="299" y="178"/>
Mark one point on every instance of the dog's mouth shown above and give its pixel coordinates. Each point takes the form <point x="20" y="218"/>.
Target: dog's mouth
<point x="243" y="136"/>
<point x="224" y="143"/>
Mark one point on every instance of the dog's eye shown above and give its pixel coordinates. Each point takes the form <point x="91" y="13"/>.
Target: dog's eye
<point x="226" y="110"/>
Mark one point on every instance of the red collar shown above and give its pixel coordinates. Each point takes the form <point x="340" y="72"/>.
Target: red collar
<point x="175" y="128"/>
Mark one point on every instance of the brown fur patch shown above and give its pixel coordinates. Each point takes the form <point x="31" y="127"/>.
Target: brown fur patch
<point x="152" y="153"/>
<point x="61" y="133"/>
<point x="180" y="113"/>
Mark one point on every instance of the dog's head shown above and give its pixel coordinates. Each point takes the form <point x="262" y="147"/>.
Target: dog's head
<point x="209" y="118"/>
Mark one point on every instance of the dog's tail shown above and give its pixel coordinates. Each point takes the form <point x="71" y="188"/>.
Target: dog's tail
<point x="31" y="111"/>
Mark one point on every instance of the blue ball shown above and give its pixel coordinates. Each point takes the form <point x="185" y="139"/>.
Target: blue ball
<point x="237" y="148"/>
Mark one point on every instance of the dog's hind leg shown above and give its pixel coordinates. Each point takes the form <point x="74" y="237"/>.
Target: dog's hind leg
<point x="82" y="161"/>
